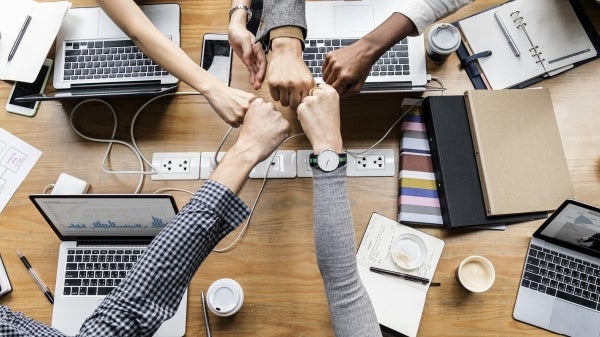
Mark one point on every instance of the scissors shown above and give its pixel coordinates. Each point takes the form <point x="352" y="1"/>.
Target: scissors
<point x="206" y="322"/>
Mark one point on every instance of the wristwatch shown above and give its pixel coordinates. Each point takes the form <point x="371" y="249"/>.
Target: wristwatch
<point x="245" y="8"/>
<point x="327" y="160"/>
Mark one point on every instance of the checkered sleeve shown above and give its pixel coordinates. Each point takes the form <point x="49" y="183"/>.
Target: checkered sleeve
<point x="16" y="324"/>
<point x="152" y="291"/>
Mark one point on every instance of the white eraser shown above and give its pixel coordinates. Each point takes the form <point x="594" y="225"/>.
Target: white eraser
<point x="67" y="184"/>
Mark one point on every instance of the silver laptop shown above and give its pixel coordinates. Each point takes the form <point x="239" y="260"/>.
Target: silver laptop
<point x="94" y="58"/>
<point x="102" y="237"/>
<point x="334" y="24"/>
<point x="560" y="284"/>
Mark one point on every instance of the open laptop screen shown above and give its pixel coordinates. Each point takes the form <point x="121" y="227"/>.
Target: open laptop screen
<point x="106" y="216"/>
<point x="574" y="225"/>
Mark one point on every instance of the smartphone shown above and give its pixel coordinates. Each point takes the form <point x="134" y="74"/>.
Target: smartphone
<point x="20" y="89"/>
<point x="216" y="56"/>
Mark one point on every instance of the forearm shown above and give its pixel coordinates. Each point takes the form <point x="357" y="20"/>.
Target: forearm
<point x="132" y="21"/>
<point x="425" y="12"/>
<point x="152" y="291"/>
<point x="352" y="313"/>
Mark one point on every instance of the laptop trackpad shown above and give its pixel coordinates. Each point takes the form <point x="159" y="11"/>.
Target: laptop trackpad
<point x="107" y="28"/>
<point x="353" y="20"/>
<point x="573" y="320"/>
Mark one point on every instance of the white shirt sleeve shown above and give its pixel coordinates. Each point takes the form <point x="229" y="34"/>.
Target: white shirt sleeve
<point x="425" y="12"/>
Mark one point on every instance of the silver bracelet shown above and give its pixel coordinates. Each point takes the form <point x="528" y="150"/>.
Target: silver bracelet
<point x="244" y="7"/>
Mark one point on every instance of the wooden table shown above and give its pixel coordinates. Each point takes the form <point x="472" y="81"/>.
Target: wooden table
<point x="275" y="260"/>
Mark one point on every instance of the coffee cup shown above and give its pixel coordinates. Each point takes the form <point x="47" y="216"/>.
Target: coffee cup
<point x="443" y="40"/>
<point x="476" y="274"/>
<point x="225" y="297"/>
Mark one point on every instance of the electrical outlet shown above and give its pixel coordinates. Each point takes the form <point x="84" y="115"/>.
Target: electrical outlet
<point x="176" y="165"/>
<point x="303" y="168"/>
<point x="208" y="163"/>
<point x="373" y="163"/>
<point x="282" y="165"/>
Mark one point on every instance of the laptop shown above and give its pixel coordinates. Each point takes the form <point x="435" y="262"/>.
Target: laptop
<point x="102" y="235"/>
<point x="95" y="59"/>
<point x="335" y="24"/>
<point x="560" y="285"/>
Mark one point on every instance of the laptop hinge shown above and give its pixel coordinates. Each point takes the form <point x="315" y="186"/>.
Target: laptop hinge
<point x="373" y="86"/>
<point x="134" y="242"/>
<point x="117" y="84"/>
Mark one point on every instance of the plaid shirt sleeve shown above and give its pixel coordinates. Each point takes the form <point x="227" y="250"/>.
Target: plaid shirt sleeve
<point x="153" y="289"/>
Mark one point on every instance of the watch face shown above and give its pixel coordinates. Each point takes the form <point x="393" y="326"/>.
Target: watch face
<point x="328" y="160"/>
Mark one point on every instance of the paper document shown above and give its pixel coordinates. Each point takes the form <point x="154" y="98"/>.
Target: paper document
<point x="46" y="19"/>
<point x="398" y="303"/>
<point x="16" y="160"/>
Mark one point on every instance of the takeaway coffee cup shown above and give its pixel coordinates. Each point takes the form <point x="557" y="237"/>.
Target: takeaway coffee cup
<point x="225" y="297"/>
<point x="443" y="40"/>
<point x="476" y="274"/>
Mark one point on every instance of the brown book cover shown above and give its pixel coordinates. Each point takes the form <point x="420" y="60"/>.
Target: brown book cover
<point x="519" y="153"/>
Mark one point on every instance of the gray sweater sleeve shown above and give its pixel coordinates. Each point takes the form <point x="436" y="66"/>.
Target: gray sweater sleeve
<point x="351" y="311"/>
<point x="278" y="13"/>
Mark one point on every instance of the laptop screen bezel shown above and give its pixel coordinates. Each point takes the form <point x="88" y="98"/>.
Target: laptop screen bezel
<point x="538" y="233"/>
<point x="126" y="239"/>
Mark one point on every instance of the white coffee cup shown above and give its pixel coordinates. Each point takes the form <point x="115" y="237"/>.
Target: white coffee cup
<point x="225" y="297"/>
<point x="442" y="40"/>
<point x="476" y="274"/>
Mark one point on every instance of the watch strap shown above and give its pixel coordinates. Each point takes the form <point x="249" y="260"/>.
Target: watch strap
<point x="245" y="8"/>
<point x="313" y="159"/>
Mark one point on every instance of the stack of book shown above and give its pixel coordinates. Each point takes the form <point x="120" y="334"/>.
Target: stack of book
<point x="496" y="157"/>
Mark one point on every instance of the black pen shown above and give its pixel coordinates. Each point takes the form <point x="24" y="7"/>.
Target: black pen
<point x="407" y="277"/>
<point x="13" y="50"/>
<point x="36" y="278"/>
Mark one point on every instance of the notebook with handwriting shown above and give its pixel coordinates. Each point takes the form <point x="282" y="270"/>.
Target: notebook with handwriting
<point x="529" y="40"/>
<point x="398" y="303"/>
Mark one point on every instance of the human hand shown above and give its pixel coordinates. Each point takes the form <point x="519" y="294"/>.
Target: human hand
<point x="347" y="68"/>
<point x="289" y="77"/>
<point x="319" y="115"/>
<point x="229" y="103"/>
<point x="264" y="129"/>
<point x="251" y="53"/>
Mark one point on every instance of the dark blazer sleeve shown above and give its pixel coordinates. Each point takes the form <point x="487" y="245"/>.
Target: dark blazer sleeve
<point x="277" y="13"/>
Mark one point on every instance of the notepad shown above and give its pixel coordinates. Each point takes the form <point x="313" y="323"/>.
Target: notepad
<point x="519" y="153"/>
<point x="46" y="19"/>
<point x="548" y="34"/>
<point x="398" y="303"/>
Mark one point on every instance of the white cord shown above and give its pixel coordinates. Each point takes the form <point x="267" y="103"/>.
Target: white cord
<point x="356" y="154"/>
<point x="135" y="116"/>
<point x="244" y="227"/>
<point x="134" y="148"/>
<point x="110" y="143"/>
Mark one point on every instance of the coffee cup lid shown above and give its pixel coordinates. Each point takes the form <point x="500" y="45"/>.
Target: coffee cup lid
<point x="444" y="37"/>
<point x="225" y="297"/>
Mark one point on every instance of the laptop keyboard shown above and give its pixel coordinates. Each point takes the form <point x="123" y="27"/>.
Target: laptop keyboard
<point x="563" y="276"/>
<point x="93" y="60"/>
<point x="97" y="271"/>
<point x="392" y="62"/>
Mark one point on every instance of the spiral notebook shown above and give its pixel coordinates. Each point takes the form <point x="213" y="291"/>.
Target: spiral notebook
<point x="529" y="41"/>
